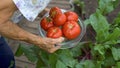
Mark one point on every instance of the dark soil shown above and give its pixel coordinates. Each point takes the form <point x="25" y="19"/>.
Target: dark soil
<point x="91" y="5"/>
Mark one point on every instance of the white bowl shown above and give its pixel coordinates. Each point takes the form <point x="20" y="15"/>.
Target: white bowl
<point x="67" y="43"/>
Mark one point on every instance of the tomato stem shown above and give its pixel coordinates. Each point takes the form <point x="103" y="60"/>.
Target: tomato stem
<point x="54" y="30"/>
<point x="48" y="19"/>
<point x="70" y="26"/>
<point x="53" y="14"/>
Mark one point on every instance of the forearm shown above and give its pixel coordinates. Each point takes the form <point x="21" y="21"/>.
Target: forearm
<point x="11" y="30"/>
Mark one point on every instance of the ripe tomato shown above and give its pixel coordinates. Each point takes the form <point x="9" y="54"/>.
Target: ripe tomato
<point x="59" y="19"/>
<point x="46" y="23"/>
<point x="71" y="16"/>
<point x="71" y="30"/>
<point x="54" y="32"/>
<point x="54" y="11"/>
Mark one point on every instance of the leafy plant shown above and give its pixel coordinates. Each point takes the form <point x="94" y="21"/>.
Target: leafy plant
<point x="104" y="52"/>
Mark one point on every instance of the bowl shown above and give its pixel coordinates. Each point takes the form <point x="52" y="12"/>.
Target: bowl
<point x="67" y="43"/>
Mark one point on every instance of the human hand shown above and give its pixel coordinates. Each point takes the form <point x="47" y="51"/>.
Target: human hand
<point x="49" y="44"/>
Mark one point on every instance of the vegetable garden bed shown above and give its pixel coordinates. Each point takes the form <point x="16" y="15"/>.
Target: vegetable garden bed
<point x="101" y="48"/>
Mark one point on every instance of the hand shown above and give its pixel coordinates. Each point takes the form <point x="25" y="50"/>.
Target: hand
<point x="49" y="44"/>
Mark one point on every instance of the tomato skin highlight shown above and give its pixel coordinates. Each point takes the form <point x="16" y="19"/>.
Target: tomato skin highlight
<point x="46" y="23"/>
<point x="71" y="30"/>
<point x="54" y="32"/>
<point x="59" y="19"/>
<point x="54" y="11"/>
<point x="71" y="16"/>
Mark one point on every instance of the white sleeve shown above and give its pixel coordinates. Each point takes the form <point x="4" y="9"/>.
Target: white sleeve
<point x="31" y="8"/>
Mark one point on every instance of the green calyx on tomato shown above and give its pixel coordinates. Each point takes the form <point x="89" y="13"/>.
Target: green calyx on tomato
<point x="54" y="11"/>
<point x="46" y="23"/>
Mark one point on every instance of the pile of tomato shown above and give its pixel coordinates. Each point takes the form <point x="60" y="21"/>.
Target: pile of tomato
<point x="61" y="24"/>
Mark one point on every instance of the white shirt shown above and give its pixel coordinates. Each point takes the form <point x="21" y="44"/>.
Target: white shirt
<point x="31" y="8"/>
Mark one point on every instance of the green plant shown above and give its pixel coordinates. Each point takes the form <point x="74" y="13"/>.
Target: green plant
<point x="104" y="52"/>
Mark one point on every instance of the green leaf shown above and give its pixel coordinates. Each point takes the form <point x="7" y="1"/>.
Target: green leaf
<point x="111" y="42"/>
<point x="114" y="36"/>
<point x="115" y="3"/>
<point x="100" y="25"/>
<point x="40" y="64"/>
<point x="11" y="64"/>
<point x="89" y="64"/>
<point x="118" y="65"/>
<point x="53" y="60"/>
<point x="60" y="64"/>
<point x="86" y="64"/>
<point x="118" y="41"/>
<point x="76" y="51"/>
<point x="86" y="22"/>
<point x="105" y="6"/>
<point x="109" y="61"/>
<point x="116" y="22"/>
<point x="116" y="53"/>
<point x="44" y="56"/>
<point x="72" y="63"/>
<point x="79" y="66"/>
<point x="29" y="53"/>
<point x="81" y="4"/>
<point x="98" y="64"/>
<point x="19" y="51"/>
<point x="100" y="48"/>
<point x="98" y="52"/>
<point x="65" y="56"/>
<point x="107" y="46"/>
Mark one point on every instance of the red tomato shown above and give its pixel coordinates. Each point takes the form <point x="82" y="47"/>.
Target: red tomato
<point x="71" y="16"/>
<point x="46" y="23"/>
<point x="59" y="19"/>
<point x="71" y="30"/>
<point x="54" y="11"/>
<point x="54" y="32"/>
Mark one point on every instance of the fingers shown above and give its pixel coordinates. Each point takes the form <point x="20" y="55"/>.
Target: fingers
<point x="50" y="41"/>
<point x="58" y="40"/>
<point x="49" y="44"/>
<point x="61" y="39"/>
<point x="52" y="50"/>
